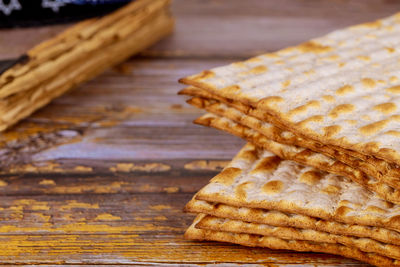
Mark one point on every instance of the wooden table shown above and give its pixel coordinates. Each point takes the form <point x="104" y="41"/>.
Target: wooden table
<point x="101" y="175"/>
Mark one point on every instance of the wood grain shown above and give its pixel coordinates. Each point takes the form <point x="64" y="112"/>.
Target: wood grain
<point x="121" y="228"/>
<point x="235" y="28"/>
<point x="100" y="176"/>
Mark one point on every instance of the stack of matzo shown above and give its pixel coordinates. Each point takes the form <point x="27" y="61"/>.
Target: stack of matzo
<point x="330" y="104"/>
<point x="78" y="54"/>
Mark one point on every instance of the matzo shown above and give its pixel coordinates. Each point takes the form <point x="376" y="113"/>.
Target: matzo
<point x="315" y="88"/>
<point x="377" y="169"/>
<point x="252" y="118"/>
<point x="278" y="243"/>
<point x="302" y="155"/>
<point x="282" y="219"/>
<point x="257" y="178"/>
<point x="77" y="55"/>
<point x="290" y="233"/>
<point x="261" y="115"/>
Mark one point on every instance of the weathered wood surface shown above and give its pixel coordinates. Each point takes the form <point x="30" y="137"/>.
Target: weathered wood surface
<point x="101" y="175"/>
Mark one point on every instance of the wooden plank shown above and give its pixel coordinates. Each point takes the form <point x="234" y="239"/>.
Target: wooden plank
<point x="176" y="177"/>
<point x="119" y="229"/>
<point x="215" y="28"/>
<point x="118" y="118"/>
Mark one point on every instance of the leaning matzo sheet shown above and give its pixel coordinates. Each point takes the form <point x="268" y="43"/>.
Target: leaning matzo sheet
<point x="252" y="118"/>
<point x="282" y="219"/>
<point x="341" y="89"/>
<point x="301" y="155"/>
<point x="378" y="169"/>
<point x="257" y="178"/>
<point x="278" y="243"/>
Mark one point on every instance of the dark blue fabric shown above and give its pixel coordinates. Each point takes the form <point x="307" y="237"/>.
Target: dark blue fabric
<point x="28" y="13"/>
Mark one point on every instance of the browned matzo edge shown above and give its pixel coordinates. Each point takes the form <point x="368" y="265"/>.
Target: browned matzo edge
<point x="278" y="243"/>
<point x="301" y="155"/>
<point x="282" y="219"/>
<point x="79" y="54"/>
<point x="308" y="84"/>
<point x="268" y="132"/>
<point x="291" y="233"/>
<point x="380" y="169"/>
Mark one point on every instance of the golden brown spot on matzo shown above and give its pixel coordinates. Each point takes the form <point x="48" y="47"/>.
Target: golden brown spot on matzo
<point x="375" y="209"/>
<point x="207" y="74"/>
<point x="227" y="176"/>
<point x="368" y="82"/>
<point x="316" y="118"/>
<point x="393" y="133"/>
<point x="374" y="24"/>
<point x="285" y="83"/>
<point x="395" y="118"/>
<point x="341" y="64"/>
<point x="345" y="90"/>
<point x="309" y="72"/>
<point x="249" y="155"/>
<point x="279" y="62"/>
<point x="314" y="47"/>
<point x="341" y="109"/>
<point x="328" y="98"/>
<point x="387" y="152"/>
<point x="197" y="102"/>
<point x="231" y="89"/>
<point x="258" y="69"/>
<point x="395" y="220"/>
<point x="393" y="79"/>
<point x="205" y="121"/>
<point x="331" y="190"/>
<point x="239" y="64"/>
<point x="372" y="146"/>
<point x="388" y="205"/>
<point x="271" y="55"/>
<point x="240" y="191"/>
<point x="366" y="117"/>
<point x="394" y="89"/>
<point x="272" y="187"/>
<point x="389" y="28"/>
<point x="287" y="50"/>
<point x="344" y="203"/>
<point x="351" y="122"/>
<point x="265" y="102"/>
<point x="332" y="57"/>
<point x="343" y="210"/>
<point x="373" y="127"/>
<point x="365" y="58"/>
<point x="253" y="60"/>
<point x="381" y="81"/>
<point x="303" y="108"/>
<point x="386" y="108"/>
<point x="268" y="164"/>
<point x="332" y="130"/>
<point x="310" y="177"/>
<point x="390" y="49"/>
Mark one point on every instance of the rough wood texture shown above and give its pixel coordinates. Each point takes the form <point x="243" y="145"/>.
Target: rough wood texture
<point x="101" y="175"/>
